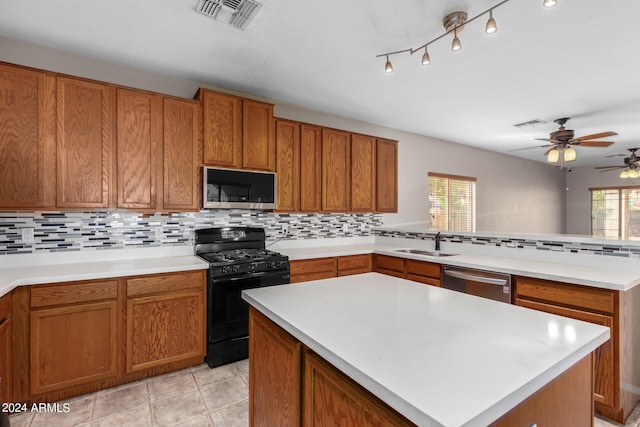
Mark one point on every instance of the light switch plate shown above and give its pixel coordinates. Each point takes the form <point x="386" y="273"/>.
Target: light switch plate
<point x="27" y="235"/>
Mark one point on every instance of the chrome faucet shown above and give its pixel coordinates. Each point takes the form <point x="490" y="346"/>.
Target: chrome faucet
<point x="438" y="238"/>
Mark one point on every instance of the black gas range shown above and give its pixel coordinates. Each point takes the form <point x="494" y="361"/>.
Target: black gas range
<point x="237" y="260"/>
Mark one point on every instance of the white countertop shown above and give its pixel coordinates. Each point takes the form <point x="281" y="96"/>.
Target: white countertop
<point x="589" y="270"/>
<point x="11" y="277"/>
<point x="440" y="358"/>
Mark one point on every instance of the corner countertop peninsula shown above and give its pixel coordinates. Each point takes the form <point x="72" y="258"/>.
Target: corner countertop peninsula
<point x="439" y="358"/>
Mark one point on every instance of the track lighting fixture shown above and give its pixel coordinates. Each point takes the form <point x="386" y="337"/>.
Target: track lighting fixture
<point x="388" y="68"/>
<point x="426" y="59"/>
<point x="455" y="45"/>
<point x="491" y="26"/>
<point x="454" y="23"/>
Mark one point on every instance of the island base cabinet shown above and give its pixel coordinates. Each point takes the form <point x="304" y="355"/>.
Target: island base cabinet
<point x="330" y="398"/>
<point x="274" y="374"/>
<point x="565" y="402"/>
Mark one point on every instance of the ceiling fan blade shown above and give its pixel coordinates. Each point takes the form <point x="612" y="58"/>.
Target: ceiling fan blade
<point x="553" y="141"/>
<point x="529" y="148"/>
<point x="609" y="168"/>
<point x="592" y="143"/>
<point x="593" y="136"/>
<point x="616" y="155"/>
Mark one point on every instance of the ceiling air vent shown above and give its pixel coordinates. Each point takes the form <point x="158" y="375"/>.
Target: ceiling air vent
<point x="530" y="124"/>
<point x="237" y="13"/>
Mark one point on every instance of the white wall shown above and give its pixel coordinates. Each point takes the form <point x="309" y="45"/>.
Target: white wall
<point x="513" y="195"/>
<point x="579" y="180"/>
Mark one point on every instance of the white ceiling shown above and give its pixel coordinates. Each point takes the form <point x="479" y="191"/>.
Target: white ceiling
<point x="579" y="59"/>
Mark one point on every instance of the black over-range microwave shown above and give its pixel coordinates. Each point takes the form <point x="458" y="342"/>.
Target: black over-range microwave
<point x="231" y="188"/>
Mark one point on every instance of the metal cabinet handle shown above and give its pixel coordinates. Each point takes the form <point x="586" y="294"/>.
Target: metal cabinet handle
<point x="480" y="279"/>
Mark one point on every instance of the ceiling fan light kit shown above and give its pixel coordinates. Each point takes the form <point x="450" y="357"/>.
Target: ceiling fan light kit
<point x="454" y="23"/>
<point x="553" y="156"/>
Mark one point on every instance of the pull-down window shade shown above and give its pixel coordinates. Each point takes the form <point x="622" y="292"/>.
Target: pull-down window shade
<point x="452" y="202"/>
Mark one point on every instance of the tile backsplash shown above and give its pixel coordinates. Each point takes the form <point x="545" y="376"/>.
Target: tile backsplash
<point x="75" y="231"/>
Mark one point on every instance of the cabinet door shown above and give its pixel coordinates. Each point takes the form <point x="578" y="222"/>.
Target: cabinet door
<point x="258" y="144"/>
<point x="330" y="398"/>
<point x="139" y="142"/>
<point x="73" y="345"/>
<point x="604" y="383"/>
<point x="274" y="374"/>
<point x="287" y="164"/>
<point x="27" y="138"/>
<point x="312" y="269"/>
<point x="181" y="155"/>
<point x="310" y="167"/>
<point x="222" y="128"/>
<point x="165" y="328"/>
<point x="6" y="355"/>
<point x="355" y="264"/>
<point x="335" y="170"/>
<point x="386" y="175"/>
<point x="363" y="173"/>
<point x="85" y="156"/>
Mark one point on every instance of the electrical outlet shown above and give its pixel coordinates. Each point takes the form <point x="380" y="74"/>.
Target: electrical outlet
<point x="345" y="228"/>
<point x="285" y="228"/>
<point x="159" y="233"/>
<point x="27" y="235"/>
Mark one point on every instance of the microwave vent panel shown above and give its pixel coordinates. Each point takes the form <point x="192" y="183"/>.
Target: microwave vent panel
<point x="237" y="13"/>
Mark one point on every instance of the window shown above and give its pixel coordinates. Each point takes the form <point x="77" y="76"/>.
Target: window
<point x="615" y="213"/>
<point x="452" y="202"/>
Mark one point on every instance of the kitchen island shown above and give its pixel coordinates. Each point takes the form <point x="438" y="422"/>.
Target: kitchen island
<point x="413" y="354"/>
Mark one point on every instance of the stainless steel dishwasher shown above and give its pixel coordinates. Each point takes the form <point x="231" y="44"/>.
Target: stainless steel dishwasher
<point x="487" y="284"/>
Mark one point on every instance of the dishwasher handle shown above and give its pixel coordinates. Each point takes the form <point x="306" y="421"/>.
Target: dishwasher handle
<point x="481" y="279"/>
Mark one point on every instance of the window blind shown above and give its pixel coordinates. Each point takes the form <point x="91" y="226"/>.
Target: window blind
<point x="452" y="202"/>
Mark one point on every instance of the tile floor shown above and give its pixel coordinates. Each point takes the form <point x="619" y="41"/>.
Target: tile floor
<point x="197" y="396"/>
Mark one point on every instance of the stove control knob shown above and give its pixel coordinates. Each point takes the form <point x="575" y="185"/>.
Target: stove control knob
<point x="251" y="267"/>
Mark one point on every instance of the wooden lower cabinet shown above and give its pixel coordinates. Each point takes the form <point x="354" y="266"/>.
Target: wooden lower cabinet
<point x="274" y="374"/>
<point x="391" y="266"/>
<point x="355" y="264"/>
<point x="6" y="355"/>
<point x="616" y="361"/>
<point x="166" y="319"/>
<point x="73" y="343"/>
<point x="424" y="272"/>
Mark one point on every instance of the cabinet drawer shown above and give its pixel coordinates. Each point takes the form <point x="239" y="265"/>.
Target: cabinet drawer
<point x="147" y="285"/>
<point x="570" y="295"/>
<point x="353" y="262"/>
<point x="422" y="268"/>
<point x="73" y="293"/>
<point x="389" y="263"/>
<point x="317" y="265"/>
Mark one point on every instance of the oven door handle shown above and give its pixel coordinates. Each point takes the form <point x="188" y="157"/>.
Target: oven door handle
<point x="473" y="278"/>
<point x="246" y="276"/>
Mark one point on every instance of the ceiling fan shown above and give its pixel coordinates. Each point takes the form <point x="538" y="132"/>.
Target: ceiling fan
<point x="631" y="165"/>
<point x="563" y="140"/>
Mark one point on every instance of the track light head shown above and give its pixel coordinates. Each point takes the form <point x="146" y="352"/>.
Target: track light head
<point x="388" y="68"/>
<point x="426" y="59"/>
<point x="491" y="26"/>
<point x="456" y="45"/>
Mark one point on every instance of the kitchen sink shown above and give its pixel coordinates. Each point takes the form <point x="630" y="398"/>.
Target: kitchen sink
<point x="423" y="252"/>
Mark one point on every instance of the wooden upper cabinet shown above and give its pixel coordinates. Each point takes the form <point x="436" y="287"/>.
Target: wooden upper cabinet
<point x="335" y="170"/>
<point x="386" y="175"/>
<point x="363" y="173"/>
<point x="139" y="142"/>
<point x="182" y="141"/>
<point x="27" y="138"/>
<point x="258" y="144"/>
<point x="85" y="147"/>
<point x="310" y="167"/>
<point x="222" y="129"/>
<point x="288" y="165"/>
